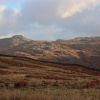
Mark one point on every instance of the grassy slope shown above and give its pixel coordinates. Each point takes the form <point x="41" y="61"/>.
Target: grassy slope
<point x="21" y="75"/>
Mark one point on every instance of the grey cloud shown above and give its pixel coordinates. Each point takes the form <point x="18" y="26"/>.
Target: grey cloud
<point x="83" y="24"/>
<point x="39" y="19"/>
<point x="41" y="11"/>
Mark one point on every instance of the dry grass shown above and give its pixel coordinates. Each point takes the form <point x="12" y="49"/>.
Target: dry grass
<point x="27" y="79"/>
<point x="50" y="94"/>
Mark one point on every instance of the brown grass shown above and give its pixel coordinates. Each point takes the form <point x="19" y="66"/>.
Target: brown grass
<point x="50" y="94"/>
<point x="27" y="79"/>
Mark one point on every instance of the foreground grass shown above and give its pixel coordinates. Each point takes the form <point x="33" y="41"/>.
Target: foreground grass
<point x="25" y="79"/>
<point x="50" y="94"/>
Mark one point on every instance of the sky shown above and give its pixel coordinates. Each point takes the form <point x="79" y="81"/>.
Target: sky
<point x="49" y="19"/>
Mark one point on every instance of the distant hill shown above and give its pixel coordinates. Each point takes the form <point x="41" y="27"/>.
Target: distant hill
<point x="81" y="50"/>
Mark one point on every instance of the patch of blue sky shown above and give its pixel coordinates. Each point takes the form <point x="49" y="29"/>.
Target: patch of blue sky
<point x="11" y="4"/>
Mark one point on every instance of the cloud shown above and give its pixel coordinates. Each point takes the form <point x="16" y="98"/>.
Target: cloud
<point x="50" y="19"/>
<point x="8" y="19"/>
<point x="7" y="36"/>
<point x="68" y="8"/>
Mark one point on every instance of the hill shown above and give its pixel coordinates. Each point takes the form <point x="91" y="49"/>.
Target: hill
<point x="82" y="50"/>
<point x="27" y="79"/>
<point x="46" y="73"/>
<point x="13" y="41"/>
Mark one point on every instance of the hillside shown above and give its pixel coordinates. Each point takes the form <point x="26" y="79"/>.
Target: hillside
<point x="11" y="42"/>
<point x="27" y="79"/>
<point x="82" y="50"/>
<point x="35" y="73"/>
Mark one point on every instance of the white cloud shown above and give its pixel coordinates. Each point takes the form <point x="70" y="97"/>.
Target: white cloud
<point x="16" y="12"/>
<point x="68" y="8"/>
<point x="2" y="8"/>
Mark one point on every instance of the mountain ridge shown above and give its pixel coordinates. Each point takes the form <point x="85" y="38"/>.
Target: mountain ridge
<point x="81" y="50"/>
